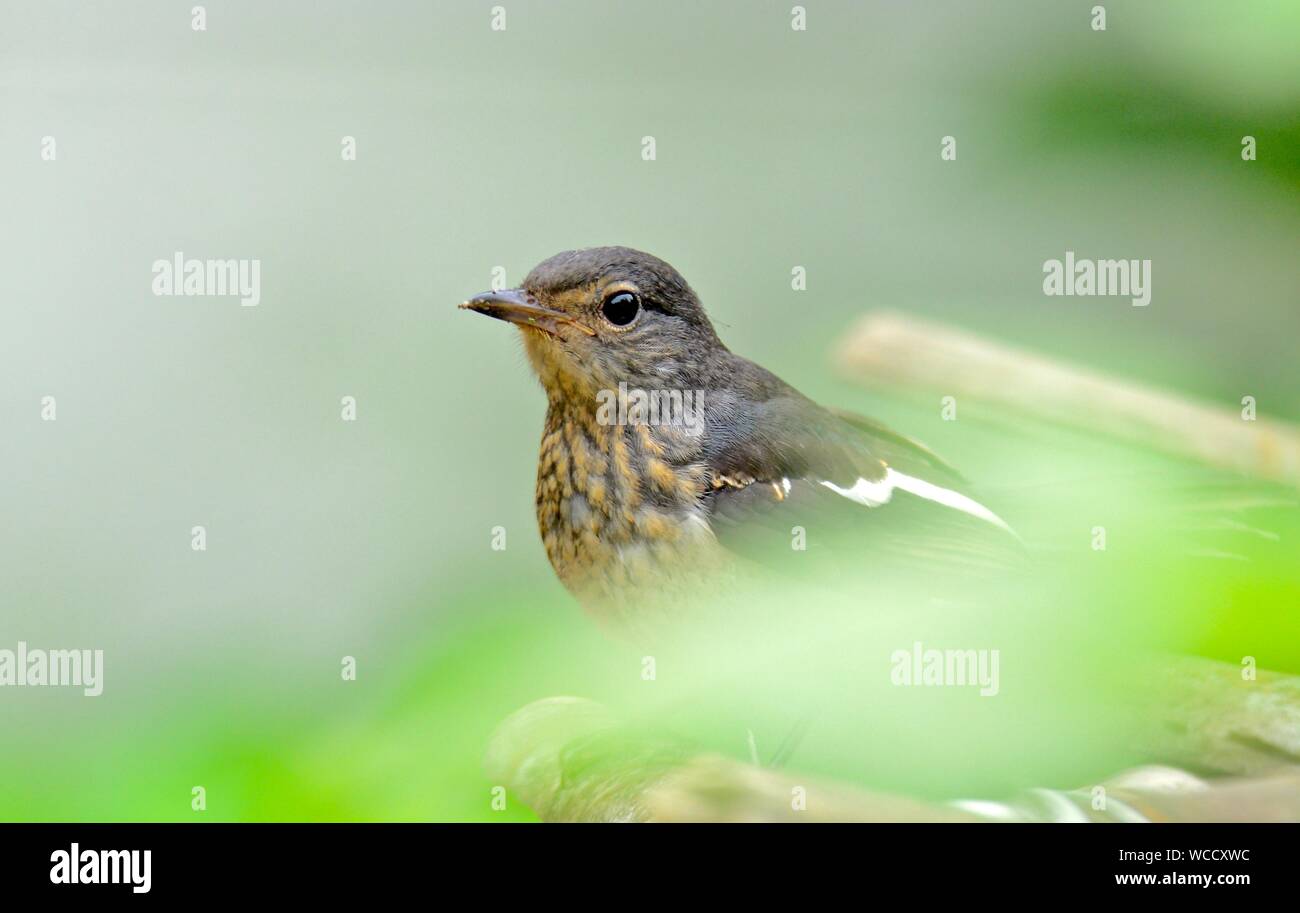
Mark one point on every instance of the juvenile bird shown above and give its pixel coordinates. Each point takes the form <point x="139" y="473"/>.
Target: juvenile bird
<point x="668" y="461"/>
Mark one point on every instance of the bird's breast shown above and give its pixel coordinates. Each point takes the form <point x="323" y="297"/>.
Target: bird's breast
<point x="619" y="512"/>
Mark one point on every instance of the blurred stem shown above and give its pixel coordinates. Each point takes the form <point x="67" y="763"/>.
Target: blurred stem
<point x="894" y="349"/>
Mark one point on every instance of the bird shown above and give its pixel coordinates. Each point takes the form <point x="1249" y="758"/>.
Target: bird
<point x="669" y="465"/>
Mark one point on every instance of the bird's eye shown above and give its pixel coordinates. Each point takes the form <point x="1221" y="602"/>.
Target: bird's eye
<point x="621" y="308"/>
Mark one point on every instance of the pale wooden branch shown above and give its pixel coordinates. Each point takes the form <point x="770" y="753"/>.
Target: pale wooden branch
<point x="891" y="349"/>
<point x="571" y="760"/>
<point x="1208" y="716"/>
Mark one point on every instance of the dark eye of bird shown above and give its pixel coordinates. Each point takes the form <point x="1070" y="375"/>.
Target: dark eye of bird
<point x="621" y="309"/>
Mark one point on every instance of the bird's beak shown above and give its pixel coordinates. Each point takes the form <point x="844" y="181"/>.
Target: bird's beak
<point x="518" y="306"/>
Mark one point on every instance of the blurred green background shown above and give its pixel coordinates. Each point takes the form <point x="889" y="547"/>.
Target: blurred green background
<point x="480" y="149"/>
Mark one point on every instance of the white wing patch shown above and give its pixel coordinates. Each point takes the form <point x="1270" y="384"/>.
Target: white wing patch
<point x="874" y="494"/>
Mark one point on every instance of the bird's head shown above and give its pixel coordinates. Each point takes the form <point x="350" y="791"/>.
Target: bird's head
<point x="595" y="318"/>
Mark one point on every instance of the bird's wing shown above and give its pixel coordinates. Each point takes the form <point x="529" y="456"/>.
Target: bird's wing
<point x="899" y="450"/>
<point x="849" y="491"/>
